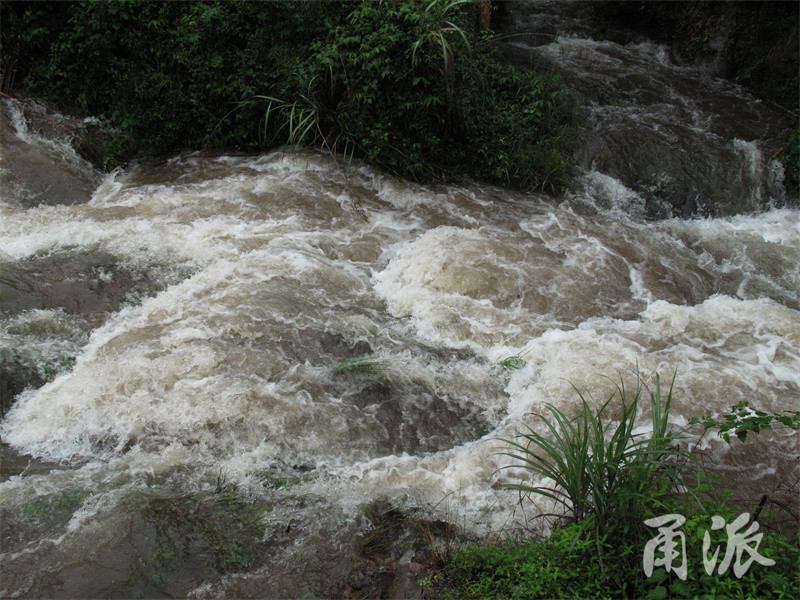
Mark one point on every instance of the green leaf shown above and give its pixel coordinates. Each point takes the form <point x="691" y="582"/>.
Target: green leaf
<point x="658" y="576"/>
<point x="657" y="593"/>
<point x="680" y="589"/>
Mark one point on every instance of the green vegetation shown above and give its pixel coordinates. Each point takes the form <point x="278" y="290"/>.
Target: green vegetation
<point x="411" y="87"/>
<point x="513" y="362"/>
<point x="611" y="480"/>
<point x="174" y="541"/>
<point x="52" y="509"/>
<point x="742" y="419"/>
<point x="603" y="471"/>
<point x="282" y="479"/>
<point x="366" y="364"/>
<point x="408" y="87"/>
<point x="45" y="514"/>
<point x="397" y="531"/>
<point x="218" y="531"/>
<point x="388" y="525"/>
<point x="565" y="566"/>
<point x="164" y="75"/>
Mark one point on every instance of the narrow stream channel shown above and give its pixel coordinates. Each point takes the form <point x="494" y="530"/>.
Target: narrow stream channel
<point x="189" y="409"/>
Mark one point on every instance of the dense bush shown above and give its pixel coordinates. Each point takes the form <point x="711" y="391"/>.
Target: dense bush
<point x="167" y="75"/>
<point x="409" y="86"/>
<point x="412" y="89"/>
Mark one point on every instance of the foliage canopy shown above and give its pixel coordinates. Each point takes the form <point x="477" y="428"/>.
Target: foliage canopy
<point x="411" y="87"/>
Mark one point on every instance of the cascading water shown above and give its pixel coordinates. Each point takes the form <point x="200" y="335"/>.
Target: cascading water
<point x="189" y="326"/>
<point x="686" y="142"/>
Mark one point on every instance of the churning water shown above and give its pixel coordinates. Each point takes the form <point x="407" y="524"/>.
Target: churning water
<point x="190" y="325"/>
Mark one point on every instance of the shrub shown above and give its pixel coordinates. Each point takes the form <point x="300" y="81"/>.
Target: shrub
<point x="411" y="89"/>
<point x="408" y="86"/>
<point x="167" y="75"/>
<point x="742" y="419"/>
<point x="566" y="566"/>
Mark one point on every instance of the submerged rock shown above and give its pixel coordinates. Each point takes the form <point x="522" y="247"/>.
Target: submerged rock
<point x="86" y="283"/>
<point x="48" y="307"/>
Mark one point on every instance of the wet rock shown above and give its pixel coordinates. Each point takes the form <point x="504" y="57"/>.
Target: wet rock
<point x="154" y="545"/>
<point x="35" y="347"/>
<point x="371" y="580"/>
<point x="48" y="307"/>
<point x="666" y="146"/>
<point x="396" y="555"/>
<point x="13" y="463"/>
<point x="14" y="378"/>
<point x="35" y="172"/>
<point x="417" y="419"/>
<point x="89" y="284"/>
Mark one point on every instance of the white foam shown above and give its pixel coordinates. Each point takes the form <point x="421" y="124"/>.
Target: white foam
<point x="228" y="369"/>
<point x="607" y="193"/>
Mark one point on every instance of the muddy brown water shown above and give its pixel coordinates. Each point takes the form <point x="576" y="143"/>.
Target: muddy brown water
<point x="200" y="427"/>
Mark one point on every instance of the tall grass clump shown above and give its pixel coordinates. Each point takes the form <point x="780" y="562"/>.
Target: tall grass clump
<point x="601" y="467"/>
<point x="609" y="478"/>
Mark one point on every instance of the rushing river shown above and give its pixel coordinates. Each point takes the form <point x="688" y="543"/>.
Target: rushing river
<point x="190" y="328"/>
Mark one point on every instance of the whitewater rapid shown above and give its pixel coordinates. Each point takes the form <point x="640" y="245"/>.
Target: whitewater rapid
<point x="189" y="322"/>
